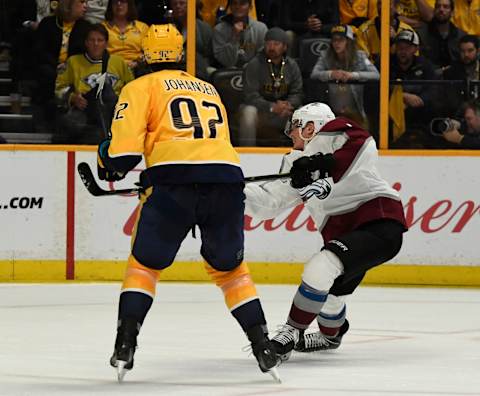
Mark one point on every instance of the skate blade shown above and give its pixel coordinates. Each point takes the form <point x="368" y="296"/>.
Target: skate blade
<point x="121" y="370"/>
<point x="274" y="373"/>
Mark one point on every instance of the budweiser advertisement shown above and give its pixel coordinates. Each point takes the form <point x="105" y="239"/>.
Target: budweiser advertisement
<point x="440" y="196"/>
<point x="38" y="208"/>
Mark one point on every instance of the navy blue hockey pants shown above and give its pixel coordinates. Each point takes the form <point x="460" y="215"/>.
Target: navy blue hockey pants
<point x="170" y="211"/>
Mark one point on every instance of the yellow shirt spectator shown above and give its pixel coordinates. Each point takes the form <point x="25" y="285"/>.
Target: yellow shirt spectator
<point x="125" y="31"/>
<point x="412" y="13"/>
<point x="82" y="73"/>
<point x="466" y="16"/>
<point x="127" y="44"/>
<point x="352" y="9"/>
<point x="66" y="31"/>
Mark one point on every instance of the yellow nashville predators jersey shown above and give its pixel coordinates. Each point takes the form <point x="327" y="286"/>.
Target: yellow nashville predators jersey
<point x="179" y="124"/>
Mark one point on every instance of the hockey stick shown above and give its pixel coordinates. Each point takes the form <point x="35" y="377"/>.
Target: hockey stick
<point x="99" y="95"/>
<point x="273" y="176"/>
<point x="93" y="188"/>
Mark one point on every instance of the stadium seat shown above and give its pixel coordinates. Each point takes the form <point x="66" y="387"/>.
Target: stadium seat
<point x="229" y="84"/>
<point x="309" y="51"/>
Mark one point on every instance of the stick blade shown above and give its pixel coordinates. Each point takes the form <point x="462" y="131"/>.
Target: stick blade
<point x="89" y="180"/>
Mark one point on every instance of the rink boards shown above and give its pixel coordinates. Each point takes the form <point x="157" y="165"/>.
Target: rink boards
<point x="53" y="230"/>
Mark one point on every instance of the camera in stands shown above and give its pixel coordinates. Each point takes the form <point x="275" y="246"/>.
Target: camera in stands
<point x="440" y="125"/>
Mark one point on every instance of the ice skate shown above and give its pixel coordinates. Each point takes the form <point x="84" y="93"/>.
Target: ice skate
<point x="125" y="344"/>
<point x="320" y="342"/>
<point x="285" y="340"/>
<point x="264" y="352"/>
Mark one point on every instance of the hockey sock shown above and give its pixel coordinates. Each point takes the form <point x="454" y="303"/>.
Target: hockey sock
<point x="318" y="276"/>
<point x="138" y="291"/>
<point x="240" y="295"/>
<point x="329" y="331"/>
<point x="306" y="305"/>
<point x="330" y="322"/>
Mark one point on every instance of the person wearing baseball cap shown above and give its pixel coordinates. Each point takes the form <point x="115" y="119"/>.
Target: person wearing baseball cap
<point x="341" y="63"/>
<point x="408" y="36"/>
<point x="343" y="31"/>
<point x="406" y="65"/>
<point x="368" y="34"/>
<point x="273" y="89"/>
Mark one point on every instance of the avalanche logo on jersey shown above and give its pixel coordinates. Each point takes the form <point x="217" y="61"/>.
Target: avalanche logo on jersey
<point x="320" y="188"/>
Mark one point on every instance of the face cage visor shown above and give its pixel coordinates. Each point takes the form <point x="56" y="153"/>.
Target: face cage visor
<point x="291" y="125"/>
<point x="294" y="124"/>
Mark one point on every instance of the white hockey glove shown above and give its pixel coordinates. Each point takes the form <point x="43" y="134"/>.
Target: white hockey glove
<point x="320" y="188"/>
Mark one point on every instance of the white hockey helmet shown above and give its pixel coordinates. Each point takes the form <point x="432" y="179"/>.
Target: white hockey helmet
<point x="317" y="112"/>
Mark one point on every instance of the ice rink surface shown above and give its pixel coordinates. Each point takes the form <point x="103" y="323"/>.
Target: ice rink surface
<point x="56" y="340"/>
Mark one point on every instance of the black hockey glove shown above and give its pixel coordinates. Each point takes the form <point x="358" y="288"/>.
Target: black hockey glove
<point x="300" y="174"/>
<point x="302" y="169"/>
<point x="103" y="172"/>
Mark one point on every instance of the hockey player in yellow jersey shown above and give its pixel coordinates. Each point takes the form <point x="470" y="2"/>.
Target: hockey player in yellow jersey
<point x="192" y="178"/>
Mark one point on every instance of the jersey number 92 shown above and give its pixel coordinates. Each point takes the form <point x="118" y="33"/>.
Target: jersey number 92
<point x="203" y="119"/>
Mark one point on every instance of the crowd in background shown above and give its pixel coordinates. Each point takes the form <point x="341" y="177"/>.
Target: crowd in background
<point x="266" y="58"/>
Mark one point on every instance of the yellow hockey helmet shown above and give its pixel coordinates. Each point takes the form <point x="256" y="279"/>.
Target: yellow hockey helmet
<point x="162" y="43"/>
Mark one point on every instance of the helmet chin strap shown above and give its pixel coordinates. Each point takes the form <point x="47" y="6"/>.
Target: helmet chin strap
<point x="305" y="139"/>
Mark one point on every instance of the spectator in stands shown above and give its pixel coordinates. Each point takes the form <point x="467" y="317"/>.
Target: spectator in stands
<point x="369" y="33"/>
<point x="272" y="86"/>
<point x="439" y="38"/>
<point x="468" y="135"/>
<point x="212" y="10"/>
<point x="125" y="32"/>
<point x="415" y="12"/>
<point x="356" y="12"/>
<point x="58" y="37"/>
<point x="467" y="16"/>
<point x="368" y="36"/>
<point x="343" y="63"/>
<point x="203" y="38"/>
<point x="96" y="11"/>
<point x="406" y="65"/>
<point x="467" y="68"/>
<point x="77" y="87"/>
<point x="238" y="38"/>
<point x="307" y="19"/>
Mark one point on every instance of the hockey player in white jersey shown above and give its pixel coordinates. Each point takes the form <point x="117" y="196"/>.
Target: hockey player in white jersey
<point x="360" y="217"/>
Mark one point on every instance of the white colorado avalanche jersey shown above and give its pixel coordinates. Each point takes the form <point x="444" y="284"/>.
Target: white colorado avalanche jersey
<point x="354" y="194"/>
